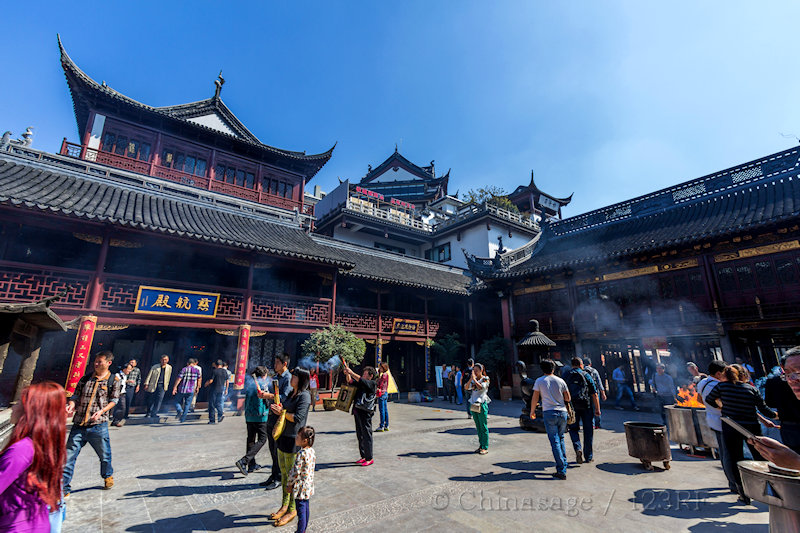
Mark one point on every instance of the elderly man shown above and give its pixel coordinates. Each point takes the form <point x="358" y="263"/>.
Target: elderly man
<point x="664" y="388"/>
<point x="783" y="393"/>
<point x="156" y="385"/>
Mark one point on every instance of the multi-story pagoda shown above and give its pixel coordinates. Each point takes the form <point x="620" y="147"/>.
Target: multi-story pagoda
<point x="201" y="144"/>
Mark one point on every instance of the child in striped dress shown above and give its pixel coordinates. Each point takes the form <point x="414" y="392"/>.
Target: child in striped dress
<point x="301" y="476"/>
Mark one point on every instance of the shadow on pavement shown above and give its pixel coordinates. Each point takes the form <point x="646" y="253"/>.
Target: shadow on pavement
<point x="214" y="520"/>
<point x="223" y="474"/>
<point x="526" y="470"/>
<point x="714" y="527"/>
<point x="431" y="455"/>
<point x="632" y="468"/>
<point x="688" y="504"/>
<point x="342" y="464"/>
<point x="497" y="431"/>
<point x="189" y="490"/>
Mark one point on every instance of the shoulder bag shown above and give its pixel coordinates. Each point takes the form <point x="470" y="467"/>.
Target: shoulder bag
<point x="570" y="413"/>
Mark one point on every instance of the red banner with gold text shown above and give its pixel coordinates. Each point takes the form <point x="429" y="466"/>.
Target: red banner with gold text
<point x="80" y="354"/>
<point x="242" y="350"/>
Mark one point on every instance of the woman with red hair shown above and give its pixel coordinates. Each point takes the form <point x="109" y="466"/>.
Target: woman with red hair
<point x="32" y="462"/>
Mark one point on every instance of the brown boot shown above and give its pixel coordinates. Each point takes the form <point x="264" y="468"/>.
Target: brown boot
<point x="109" y="482"/>
<point x="288" y="517"/>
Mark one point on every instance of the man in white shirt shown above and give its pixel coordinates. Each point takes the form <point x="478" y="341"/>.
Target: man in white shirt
<point x="554" y="394"/>
<point x="716" y="373"/>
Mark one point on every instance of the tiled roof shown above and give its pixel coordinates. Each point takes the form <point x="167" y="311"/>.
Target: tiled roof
<point x="85" y="90"/>
<point x="739" y="199"/>
<point x="396" y="269"/>
<point x="35" y="186"/>
<point x="47" y="183"/>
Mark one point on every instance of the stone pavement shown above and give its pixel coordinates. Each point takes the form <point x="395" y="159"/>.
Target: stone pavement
<point x="175" y="478"/>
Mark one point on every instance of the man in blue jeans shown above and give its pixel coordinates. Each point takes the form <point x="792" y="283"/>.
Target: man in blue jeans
<point x="216" y="396"/>
<point x="185" y="388"/>
<point x="94" y="398"/>
<point x="554" y="395"/>
<point x="583" y="391"/>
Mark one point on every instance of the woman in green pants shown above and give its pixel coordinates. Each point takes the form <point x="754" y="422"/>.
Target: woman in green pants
<point x="296" y="407"/>
<point x="479" y="405"/>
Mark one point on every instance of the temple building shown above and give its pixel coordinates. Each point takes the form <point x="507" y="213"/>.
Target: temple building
<point x="175" y="227"/>
<point x="412" y="215"/>
<point x="175" y="230"/>
<point x="709" y="268"/>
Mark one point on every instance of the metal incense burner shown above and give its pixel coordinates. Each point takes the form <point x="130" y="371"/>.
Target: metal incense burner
<point x="777" y="487"/>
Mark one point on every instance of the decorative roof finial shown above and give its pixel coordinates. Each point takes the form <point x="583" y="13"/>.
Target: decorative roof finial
<point x="219" y="82"/>
<point x="395" y="147"/>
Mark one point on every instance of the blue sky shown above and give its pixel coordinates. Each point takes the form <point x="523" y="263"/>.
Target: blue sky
<point x="607" y="99"/>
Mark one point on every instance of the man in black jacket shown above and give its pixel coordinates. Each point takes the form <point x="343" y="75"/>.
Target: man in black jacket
<point x="363" y="409"/>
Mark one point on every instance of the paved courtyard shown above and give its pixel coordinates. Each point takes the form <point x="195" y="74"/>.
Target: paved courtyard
<point x="175" y="478"/>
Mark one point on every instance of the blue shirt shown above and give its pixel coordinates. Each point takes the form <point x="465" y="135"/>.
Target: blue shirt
<point x="255" y="408"/>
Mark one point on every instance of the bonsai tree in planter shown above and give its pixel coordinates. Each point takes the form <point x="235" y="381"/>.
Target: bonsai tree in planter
<point x="492" y="355"/>
<point x="329" y="345"/>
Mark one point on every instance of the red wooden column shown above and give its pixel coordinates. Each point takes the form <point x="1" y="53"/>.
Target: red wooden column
<point x="248" y="295"/>
<point x="156" y="159"/>
<point x="95" y="293"/>
<point x="87" y="134"/>
<point x="505" y="314"/>
<point x="333" y="297"/>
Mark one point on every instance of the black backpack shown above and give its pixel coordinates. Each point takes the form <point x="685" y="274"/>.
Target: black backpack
<point x="579" y="389"/>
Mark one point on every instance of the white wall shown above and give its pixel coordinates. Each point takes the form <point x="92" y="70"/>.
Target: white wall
<point x="479" y="241"/>
<point x="390" y="175"/>
<point x="365" y="239"/>
<point x="213" y="121"/>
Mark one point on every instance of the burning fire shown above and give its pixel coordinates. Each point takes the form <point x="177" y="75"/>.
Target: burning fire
<point x="688" y="397"/>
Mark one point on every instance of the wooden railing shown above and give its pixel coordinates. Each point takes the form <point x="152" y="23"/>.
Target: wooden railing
<point x="390" y="215"/>
<point x="201" y="182"/>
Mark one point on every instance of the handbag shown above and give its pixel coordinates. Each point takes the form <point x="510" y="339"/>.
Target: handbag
<point x="475" y="407"/>
<point x="277" y="431"/>
<point x="570" y="414"/>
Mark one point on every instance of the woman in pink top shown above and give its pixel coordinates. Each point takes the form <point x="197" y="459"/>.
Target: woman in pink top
<point x="383" y="396"/>
<point x="32" y="462"/>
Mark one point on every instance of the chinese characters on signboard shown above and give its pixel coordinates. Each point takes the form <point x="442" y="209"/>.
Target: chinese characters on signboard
<point x="401" y="325"/>
<point x="80" y="354"/>
<point x="161" y="301"/>
<point x="242" y="350"/>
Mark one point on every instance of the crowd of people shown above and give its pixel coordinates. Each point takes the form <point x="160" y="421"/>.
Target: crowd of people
<point x="37" y="463"/>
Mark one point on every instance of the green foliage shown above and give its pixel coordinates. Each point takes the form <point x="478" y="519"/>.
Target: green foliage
<point x="492" y="354"/>
<point x="492" y="194"/>
<point x="448" y="349"/>
<point x="482" y="194"/>
<point x="333" y="340"/>
<point x="503" y="203"/>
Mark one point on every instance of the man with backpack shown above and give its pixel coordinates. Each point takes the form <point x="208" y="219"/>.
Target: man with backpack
<point x="583" y="392"/>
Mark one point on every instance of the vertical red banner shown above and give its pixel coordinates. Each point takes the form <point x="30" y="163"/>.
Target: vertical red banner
<point x="242" y="350"/>
<point x="80" y="354"/>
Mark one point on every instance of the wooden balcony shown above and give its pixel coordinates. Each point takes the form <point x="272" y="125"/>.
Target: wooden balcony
<point x="201" y="182"/>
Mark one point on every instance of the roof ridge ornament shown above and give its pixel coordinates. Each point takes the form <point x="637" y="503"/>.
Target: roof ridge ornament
<point x="218" y="83"/>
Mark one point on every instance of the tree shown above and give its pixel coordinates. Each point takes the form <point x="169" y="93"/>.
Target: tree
<point x="493" y="355"/>
<point x="482" y="194"/>
<point x="448" y="349"/>
<point x="491" y="194"/>
<point x="329" y="345"/>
